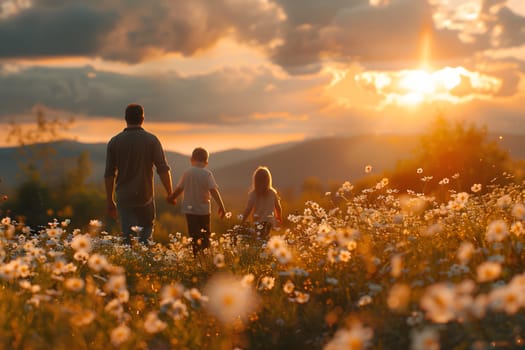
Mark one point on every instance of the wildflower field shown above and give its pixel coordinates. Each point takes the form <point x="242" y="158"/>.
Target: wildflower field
<point x="371" y="269"/>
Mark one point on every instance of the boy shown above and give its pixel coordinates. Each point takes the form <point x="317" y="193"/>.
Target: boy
<point x="198" y="184"/>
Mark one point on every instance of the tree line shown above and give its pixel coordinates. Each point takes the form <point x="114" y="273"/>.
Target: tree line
<point x="450" y="152"/>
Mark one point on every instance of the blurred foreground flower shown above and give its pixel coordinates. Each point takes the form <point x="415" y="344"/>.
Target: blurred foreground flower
<point x="488" y="271"/>
<point x="476" y="188"/>
<point x="170" y="293"/>
<point x="152" y="323"/>
<point x="355" y="338"/>
<point x="81" y="243"/>
<point x="398" y="297"/>
<point x="267" y="283"/>
<point x="120" y="335"/>
<point x="229" y="299"/>
<point x="278" y="247"/>
<point x="74" y="284"/>
<point x="425" y="339"/>
<point x="218" y="260"/>
<point x="497" y="230"/>
<point x="83" y="318"/>
<point x="438" y="302"/>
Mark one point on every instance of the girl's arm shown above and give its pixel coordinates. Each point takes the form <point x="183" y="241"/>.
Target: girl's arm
<point x="248" y="209"/>
<point x="278" y="210"/>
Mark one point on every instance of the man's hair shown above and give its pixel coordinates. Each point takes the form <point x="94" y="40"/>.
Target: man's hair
<point x="199" y="154"/>
<point x="134" y="114"/>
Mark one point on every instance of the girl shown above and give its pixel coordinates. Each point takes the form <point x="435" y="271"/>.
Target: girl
<point x="263" y="201"/>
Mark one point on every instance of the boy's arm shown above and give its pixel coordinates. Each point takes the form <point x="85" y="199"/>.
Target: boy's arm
<point x="172" y="198"/>
<point x="217" y="197"/>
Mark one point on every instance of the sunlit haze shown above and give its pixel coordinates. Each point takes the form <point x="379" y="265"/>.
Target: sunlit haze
<point x="254" y="73"/>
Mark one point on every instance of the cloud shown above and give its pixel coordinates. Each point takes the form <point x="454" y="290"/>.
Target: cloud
<point x="305" y="37"/>
<point x="403" y="31"/>
<point x="64" y="31"/>
<point x="133" y="31"/>
<point x="230" y="95"/>
<point x="508" y="29"/>
<point x="186" y="27"/>
<point x="349" y="31"/>
<point x="300" y="36"/>
<point x="356" y="31"/>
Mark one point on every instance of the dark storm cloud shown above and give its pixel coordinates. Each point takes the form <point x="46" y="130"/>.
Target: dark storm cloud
<point x="185" y="27"/>
<point x="296" y="35"/>
<point x="71" y="30"/>
<point x="225" y="96"/>
<point x="132" y="31"/>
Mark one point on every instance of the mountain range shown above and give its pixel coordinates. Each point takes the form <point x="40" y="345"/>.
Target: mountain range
<point x="330" y="160"/>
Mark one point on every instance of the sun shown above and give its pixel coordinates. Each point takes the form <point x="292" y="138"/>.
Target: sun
<point x="426" y="85"/>
<point x="415" y="85"/>
<point x="421" y="85"/>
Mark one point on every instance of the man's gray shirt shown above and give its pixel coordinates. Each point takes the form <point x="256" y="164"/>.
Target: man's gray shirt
<point x="131" y="156"/>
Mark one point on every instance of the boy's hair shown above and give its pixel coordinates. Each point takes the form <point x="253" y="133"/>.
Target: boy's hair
<point x="262" y="180"/>
<point x="134" y="114"/>
<point x="199" y="154"/>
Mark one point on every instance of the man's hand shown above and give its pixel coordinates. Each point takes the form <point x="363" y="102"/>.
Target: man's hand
<point x="171" y="199"/>
<point x="112" y="210"/>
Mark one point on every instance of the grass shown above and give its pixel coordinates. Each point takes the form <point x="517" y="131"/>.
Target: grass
<point x="370" y="270"/>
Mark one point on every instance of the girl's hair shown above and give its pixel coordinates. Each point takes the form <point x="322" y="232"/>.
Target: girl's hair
<point x="262" y="180"/>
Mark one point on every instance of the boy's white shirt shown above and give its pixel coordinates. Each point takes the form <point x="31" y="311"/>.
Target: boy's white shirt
<point x="197" y="181"/>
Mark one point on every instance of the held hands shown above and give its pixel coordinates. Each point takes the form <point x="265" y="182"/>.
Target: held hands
<point x="171" y="199"/>
<point x="112" y="210"/>
<point x="172" y="196"/>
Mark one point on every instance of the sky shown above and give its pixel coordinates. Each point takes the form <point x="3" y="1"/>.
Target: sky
<point x="248" y="73"/>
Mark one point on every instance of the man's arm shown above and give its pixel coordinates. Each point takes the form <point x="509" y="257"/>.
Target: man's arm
<point x="217" y="197"/>
<point x="165" y="178"/>
<point x="109" y="179"/>
<point x="111" y="207"/>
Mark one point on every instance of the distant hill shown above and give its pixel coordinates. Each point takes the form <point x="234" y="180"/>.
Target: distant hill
<point x="65" y="156"/>
<point x="335" y="160"/>
<point x="67" y="151"/>
<point x="229" y="157"/>
<point x="329" y="159"/>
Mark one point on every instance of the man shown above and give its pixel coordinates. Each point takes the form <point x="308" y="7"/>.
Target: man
<point x="130" y="158"/>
